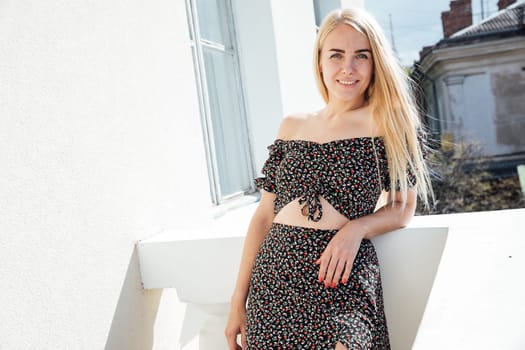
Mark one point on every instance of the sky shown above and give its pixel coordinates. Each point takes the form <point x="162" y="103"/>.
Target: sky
<point x="417" y="23"/>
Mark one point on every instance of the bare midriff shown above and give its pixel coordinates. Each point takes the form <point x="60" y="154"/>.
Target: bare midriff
<point x="291" y="214"/>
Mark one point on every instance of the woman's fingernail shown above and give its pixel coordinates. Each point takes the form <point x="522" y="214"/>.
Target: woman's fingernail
<point x="344" y="280"/>
<point x="334" y="284"/>
<point x="326" y="284"/>
<point x="320" y="279"/>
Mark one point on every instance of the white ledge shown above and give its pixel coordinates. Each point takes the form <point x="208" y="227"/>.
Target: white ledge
<point x="476" y="297"/>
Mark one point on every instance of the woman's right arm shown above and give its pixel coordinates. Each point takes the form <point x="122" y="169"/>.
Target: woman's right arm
<point x="259" y="226"/>
<point x="261" y="221"/>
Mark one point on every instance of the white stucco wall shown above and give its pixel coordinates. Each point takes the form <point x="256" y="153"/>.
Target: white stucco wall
<point x="294" y="27"/>
<point x="259" y="69"/>
<point x="100" y="146"/>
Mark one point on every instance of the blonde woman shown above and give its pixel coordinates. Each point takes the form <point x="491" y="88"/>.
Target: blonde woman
<point x="309" y="276"/>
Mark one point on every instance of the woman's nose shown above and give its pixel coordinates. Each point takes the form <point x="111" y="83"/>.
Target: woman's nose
<point x="349" y="65"/>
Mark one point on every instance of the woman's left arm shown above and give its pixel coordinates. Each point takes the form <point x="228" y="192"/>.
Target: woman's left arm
<point x="337" y="259"/>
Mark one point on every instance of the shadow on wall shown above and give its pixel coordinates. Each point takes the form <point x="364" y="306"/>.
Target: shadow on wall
<point x="134" y="319"/>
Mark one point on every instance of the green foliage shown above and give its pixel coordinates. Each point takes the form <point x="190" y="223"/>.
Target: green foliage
<point x="462" y="183"/>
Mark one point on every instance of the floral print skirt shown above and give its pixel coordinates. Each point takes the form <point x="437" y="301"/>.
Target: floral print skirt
<point x="288" y="308"/>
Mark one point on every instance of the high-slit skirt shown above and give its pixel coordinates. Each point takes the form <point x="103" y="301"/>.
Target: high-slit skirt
<point x="288" y="308"/>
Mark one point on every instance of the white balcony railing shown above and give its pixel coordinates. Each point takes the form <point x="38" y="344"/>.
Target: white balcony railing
<point x="450" y="281"/>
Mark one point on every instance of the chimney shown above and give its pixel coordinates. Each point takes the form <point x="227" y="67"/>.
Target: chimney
<point x="504" y="3"/>
<point x="458" y="17"/>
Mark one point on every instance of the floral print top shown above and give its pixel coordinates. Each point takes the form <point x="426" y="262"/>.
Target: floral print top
<point x="349" y="173"/>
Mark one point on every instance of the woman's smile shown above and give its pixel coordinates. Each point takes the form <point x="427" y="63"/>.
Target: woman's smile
<point x="347" y="82"/>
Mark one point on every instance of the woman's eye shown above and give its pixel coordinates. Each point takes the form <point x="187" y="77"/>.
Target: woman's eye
<point x="336" y="55"/>
<point x="362" y="56"/>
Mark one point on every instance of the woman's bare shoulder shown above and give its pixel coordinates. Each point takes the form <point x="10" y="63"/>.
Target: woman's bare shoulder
<point x="291" y="124"/>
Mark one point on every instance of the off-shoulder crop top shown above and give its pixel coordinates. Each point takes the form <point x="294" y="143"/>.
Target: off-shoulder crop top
<point x="348" y="173"/>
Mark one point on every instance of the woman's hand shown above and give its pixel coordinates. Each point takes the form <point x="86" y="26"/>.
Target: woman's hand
<point x="236" y="325"/>
<point x="337" y="259"/>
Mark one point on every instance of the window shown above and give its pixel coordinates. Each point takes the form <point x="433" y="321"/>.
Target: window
<point x="223" y="115"/>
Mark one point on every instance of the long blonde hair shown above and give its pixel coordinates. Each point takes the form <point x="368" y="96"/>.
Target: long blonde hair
<point x="391" y="100"/>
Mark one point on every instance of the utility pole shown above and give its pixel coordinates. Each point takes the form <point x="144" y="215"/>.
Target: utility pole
<point x="482" y="9"/>
<point x="392" y="34"/>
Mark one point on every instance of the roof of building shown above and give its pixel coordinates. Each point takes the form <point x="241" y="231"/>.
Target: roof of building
<point x="510" y="18"/>
<point x="508" y="22"/>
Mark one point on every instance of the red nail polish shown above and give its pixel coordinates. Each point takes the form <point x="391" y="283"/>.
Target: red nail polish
<point x="326" y="284"/>
<point x="334" y="284"/>
<point x="321" y="279"/>
<point x="344" y="280"/>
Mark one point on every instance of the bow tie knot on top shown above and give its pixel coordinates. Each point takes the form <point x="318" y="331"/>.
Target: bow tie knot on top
<point x="311" y="202"/>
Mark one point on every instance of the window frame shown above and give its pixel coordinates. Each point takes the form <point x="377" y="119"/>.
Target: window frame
<point x="197" y="46"/>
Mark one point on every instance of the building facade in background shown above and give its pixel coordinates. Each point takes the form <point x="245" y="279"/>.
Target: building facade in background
<point x="474" y="82"/>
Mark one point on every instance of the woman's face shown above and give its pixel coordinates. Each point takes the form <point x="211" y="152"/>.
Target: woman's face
<point x="346" y="65"/>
